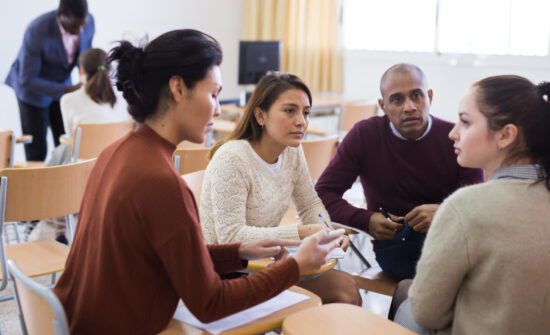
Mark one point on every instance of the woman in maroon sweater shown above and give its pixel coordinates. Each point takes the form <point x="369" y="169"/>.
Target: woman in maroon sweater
<point x="138" y="246"/>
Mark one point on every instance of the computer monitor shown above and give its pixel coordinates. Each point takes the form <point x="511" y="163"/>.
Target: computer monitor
<point x="256" y="58"/>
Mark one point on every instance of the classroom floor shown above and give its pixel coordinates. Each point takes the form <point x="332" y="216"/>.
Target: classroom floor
<point x="377" y="303"/>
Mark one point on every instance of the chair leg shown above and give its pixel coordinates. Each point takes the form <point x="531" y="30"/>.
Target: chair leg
<point x="70" y="226"/>
<point x="54" y="275"/>
<point x="19" y="313"/>
<point x="16" y="227"/>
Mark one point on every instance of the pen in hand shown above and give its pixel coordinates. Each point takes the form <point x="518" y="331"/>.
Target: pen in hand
<point x="387" y="216"/>
<point x="325" y="221"/>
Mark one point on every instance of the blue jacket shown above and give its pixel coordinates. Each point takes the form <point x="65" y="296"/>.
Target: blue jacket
<point x="41" y="71"/>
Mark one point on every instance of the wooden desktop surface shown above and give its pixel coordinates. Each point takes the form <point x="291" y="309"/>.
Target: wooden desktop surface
<point x="340" y="319"/>
<point x="274" y="320"/>
<point x="263" y="263"/>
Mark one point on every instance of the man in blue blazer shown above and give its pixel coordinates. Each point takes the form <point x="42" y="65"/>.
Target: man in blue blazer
<point x="41" y="74"/>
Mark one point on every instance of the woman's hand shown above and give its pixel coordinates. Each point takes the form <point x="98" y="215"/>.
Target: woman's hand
<point x="312" y="252"/>
<point x="270" y="247"/>
<point x="345" y="243"/>
<point x="305" y="230"/>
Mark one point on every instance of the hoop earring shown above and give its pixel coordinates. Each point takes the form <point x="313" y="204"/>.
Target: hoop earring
<point x="499" y="147"/>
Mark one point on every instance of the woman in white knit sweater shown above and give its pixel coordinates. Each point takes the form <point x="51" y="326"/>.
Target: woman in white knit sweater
<point x="259" y="169"/>
<point x="484" y="266"/>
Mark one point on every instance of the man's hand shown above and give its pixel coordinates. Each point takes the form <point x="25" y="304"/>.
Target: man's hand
<point x="304" y="230"/>
<point x="383" y="229"/>
<point x="69" y="89"/>
<point x="420" y="218"/>
<point x="265" y="248"/>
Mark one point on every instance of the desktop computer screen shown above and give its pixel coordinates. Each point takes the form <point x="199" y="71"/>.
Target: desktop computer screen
<point x="256" y="58"/>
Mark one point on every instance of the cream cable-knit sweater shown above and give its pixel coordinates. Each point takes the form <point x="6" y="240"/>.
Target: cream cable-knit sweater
<point x="242" y="201"/>
<point x="486" y="260"/>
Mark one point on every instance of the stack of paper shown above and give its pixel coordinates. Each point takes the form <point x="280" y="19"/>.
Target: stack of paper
<point x="281" y="301"/>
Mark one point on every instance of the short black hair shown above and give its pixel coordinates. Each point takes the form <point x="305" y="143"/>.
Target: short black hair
<point x="74" y="8"/>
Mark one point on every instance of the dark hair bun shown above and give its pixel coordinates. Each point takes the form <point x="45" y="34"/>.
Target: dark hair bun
<point x="143" y="73"/>
<point x="128" y="70"/>
<point x="544" y="90"/>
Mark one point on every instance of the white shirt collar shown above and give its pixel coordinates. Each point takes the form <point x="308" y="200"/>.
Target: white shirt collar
<point x="396" y="133"/>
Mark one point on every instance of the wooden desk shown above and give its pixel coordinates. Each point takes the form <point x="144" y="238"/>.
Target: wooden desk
<point x="340" y="319"/>
<point x="262" y="264"/>
<point x="176" y="327"/>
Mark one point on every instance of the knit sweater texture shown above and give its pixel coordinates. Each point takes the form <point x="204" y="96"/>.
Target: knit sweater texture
<point x="242" y="201"/>
<point x="484" y="265"/>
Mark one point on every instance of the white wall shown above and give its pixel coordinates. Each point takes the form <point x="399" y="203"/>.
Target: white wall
<point x="129" y="19"/>
<point x="362" y="72"/>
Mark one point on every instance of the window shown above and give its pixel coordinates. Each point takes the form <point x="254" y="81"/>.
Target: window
<point x="497" y="27"/>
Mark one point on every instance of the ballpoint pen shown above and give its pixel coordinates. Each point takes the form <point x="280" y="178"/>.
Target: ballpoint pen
<point x="387" y="216"/>
<point x="325" y="221"/>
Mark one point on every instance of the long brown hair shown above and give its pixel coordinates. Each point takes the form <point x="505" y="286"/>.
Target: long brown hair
<point x="98" y="86"/>
<point x="268" y="90"/>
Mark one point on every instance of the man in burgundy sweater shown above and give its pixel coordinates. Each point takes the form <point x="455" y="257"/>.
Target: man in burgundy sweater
<point x="407" y="166"/>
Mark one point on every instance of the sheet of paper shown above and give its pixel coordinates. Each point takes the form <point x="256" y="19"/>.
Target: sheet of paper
<point x="338" y="253"/>
<point x="283" y="300"/>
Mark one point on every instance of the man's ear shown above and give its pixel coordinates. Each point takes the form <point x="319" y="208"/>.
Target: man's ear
<point x="430" y="95"/>
<point x="381" y="104"/>
<point x="507" y="135"/>
<point x="259" y="114"/>
<point x="178" y="89"/>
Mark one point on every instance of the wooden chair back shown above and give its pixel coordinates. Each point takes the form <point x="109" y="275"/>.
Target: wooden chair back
<point x="28" y="194"/>
<point x="42" y="311"/>
<point x="45" y="192"/>
<point x="191" y="159"/>
<point x="353" y="113"/>
<point x="6" y="148"/>
<point x="194" y="181"/>
<point x="340" y="319"/>
<point x="318" y="154"/>
<point x="91" y="138"/>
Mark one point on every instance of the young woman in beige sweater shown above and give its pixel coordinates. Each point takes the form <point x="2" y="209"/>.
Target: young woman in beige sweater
<point x="259" y="169"/>
<point x="484" y="265"/>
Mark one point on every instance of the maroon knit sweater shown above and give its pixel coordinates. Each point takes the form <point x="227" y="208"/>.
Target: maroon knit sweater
<point x="396" y="174"/>
<point x="139" y="248"/>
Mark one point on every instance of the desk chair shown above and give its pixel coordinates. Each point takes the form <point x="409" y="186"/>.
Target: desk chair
<point x="355" y="112"/>
<point x="318" y="154"/>
<point x="7" y="147"/>
<point x="7" y="150"/>
<point x="28" y="194"/>
<point x="340" y="319"/>
<point x="39" y="308"/>
<point x="91" y="138"/>
<point x="187" y="160"/>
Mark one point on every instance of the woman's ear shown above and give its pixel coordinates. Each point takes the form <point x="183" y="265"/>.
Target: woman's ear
<point x="507" y="136"/>
<point x="178" y="89"/>
<point x="259" y="114"/>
